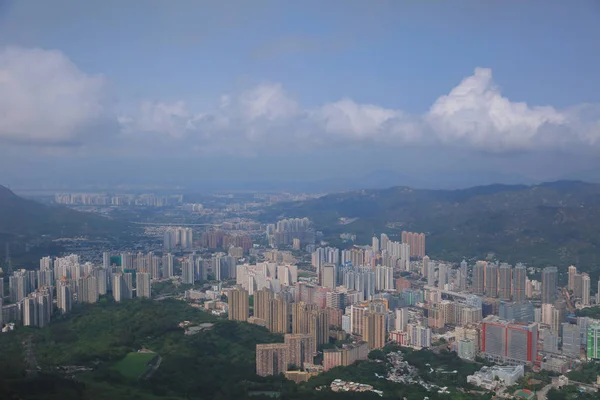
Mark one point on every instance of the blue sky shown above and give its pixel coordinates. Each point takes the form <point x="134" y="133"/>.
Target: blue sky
<point x="282" y="90"/>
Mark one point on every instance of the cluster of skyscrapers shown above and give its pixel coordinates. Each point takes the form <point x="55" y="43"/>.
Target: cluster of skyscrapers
<point x="32" y="292"/>
<point x="579" y="285"/>
<point x="220" y="265"/>
<point x="67" y="281"/>
<point x="496" y="310"/>
<point x="307" y="313"/>
<point x="356" y="293"/>
<point x="181" y="238"/>
<point x="218" y="239"/>
<point x="178" y="237"/>
<point x="502" y="281"/>
<point x="382" y="251"/>
<point x="524" y="321"/>
<point x="285" y="231"/>
<point x="266" y="275"/>
<point x="416" y="241"/>
<point x="386" y="291"/>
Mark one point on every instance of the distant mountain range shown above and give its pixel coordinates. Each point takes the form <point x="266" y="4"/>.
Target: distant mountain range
<point x="381" y="179"/>
<point x="378" y="179"/>
<point x="554" y="223"/>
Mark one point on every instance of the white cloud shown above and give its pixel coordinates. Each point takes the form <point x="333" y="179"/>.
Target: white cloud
<point x="254" y="116"/>
<point x="170" y="119"/>
<point x="45" y="98"/>
<point x="473" y="114"/>
<point x="267" y="101"/>
<point x="348" y="118"/>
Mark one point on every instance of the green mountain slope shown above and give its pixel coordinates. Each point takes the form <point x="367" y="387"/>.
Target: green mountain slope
<point x="21" y="217"/>
<point x="30" y="226"/>
<point x="551" y="223"/>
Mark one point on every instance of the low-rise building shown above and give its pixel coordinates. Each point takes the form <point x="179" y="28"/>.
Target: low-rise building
<point x="486" y="376"/>
<point x="339" y="385"/>
<point x="257" y="321"/>
<point x="194" y="295"/>
<point x="347" y="355"/>
<point x="554" y="364"/>
<point x="299" y="376"/>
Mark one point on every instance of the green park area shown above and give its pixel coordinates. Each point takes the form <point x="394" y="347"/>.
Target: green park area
<point x="134" y="364"/>
<point x="102" y="342"/>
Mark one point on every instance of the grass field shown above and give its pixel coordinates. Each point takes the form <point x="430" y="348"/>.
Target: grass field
<point x="134" y="364"/>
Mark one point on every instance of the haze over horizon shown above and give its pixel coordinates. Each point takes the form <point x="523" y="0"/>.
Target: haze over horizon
<point x="450" y="95"/>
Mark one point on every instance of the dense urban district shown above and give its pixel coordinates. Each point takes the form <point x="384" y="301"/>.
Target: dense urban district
<point x="131" y="296"/>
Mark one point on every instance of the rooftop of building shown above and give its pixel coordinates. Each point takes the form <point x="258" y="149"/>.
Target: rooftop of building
<point x="494" y="319"/>
<point x="488" y="372"/>
<point x="271" y="346"/>
<point x="346" y="346"/>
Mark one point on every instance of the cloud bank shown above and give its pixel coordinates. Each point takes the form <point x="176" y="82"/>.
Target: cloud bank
<point x="46" y="99"/>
